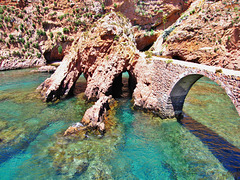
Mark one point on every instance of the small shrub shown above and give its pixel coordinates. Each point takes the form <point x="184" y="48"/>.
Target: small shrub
<point x="38" y="8"/>
<point x="11" y="36"/>
<point x="192" y="12"/>
<point x="38" y="55"/>
<point x="62" y="38"/>
<point x="169" y="61"/>
<point x="61" y="17"/>
<point x="148" y="54"/>
<point x="51" y="35"/>
<point x="36" y="45"/>
<point x="22" y="40"/>
<point x="116" y="38"/>
<point x="60" y="49"/>
<point x="20" y="15"/>
<point x="28" y="45"/>
<point x="65" y="30"/>
<point x="45" y="8"/>
<point x="103" y="7"/>
<point x="16" y="53"/>
<point x="1" y="10"/>
<point x="41" y="33"/>
<point x="152" y="32"/>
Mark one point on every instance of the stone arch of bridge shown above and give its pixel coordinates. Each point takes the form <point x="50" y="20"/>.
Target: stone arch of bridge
<point x="182" y="87"/>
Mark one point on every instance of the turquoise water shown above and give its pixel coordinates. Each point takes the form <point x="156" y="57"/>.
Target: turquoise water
<point x="137" y="146"/>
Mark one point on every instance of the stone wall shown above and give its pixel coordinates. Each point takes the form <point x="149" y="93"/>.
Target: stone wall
<point x="170" y="92"/>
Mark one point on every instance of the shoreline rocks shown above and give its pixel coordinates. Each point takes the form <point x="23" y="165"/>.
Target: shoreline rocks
<point x="20" y="64"/>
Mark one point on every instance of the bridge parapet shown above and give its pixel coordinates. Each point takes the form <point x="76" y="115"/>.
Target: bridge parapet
<point x="172" y="80"/>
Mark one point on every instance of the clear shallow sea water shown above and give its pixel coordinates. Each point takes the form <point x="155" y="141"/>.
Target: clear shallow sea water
<point x="138" y="146"/>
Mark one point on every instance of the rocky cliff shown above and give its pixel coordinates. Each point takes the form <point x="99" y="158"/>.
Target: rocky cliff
<point x="208" y="35"/>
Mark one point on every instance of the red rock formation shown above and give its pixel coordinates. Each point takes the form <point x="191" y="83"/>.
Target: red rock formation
<point x="150" y="14"/>
<point x="101" y="54"/>
<point x="94" y="116"/>
<point x="209" y="35"/>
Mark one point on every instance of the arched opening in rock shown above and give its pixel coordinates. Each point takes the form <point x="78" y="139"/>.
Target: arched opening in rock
<point x="123" y="85"/>
<point x="52" y="59"/>
<point x="80" y="85"/>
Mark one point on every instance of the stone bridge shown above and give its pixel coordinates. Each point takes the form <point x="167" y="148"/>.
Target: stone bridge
<point x="172" y="80"/>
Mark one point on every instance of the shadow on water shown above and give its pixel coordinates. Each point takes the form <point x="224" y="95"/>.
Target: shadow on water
<point x="225" y="152"/>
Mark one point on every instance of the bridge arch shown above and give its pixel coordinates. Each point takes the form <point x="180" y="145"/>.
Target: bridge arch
<point x="181" y="88"/>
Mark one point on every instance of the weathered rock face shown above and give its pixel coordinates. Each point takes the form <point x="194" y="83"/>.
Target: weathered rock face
<point x="143" y="94"/>
<point x="101" y="54"/>
<point x="151" y="14"/>
<point x="209" y="35"/>
<point x="93" y="117"/>
<point x="18" y="63"/>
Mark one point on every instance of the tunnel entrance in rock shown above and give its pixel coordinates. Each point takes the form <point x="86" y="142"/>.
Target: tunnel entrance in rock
<point x="123" y="85"/>
<point x="50" y="59"/>
<point x="80" y="85"/>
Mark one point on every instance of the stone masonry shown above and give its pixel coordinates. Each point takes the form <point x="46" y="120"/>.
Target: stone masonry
<point x="172" y="79"/>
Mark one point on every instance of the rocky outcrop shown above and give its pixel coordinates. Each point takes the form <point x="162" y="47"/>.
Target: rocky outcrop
<point x="208" y="35"/>
<point x="18" y="63"/>
<point x="150" y="14"/>
<point x="93" y="119"/>
<point x="101" y="54"/>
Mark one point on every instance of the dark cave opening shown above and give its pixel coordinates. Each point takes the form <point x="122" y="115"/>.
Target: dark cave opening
<point x="123" y="85"/>
<point x="147" y="47"/>
<point x="50" y="59"/>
